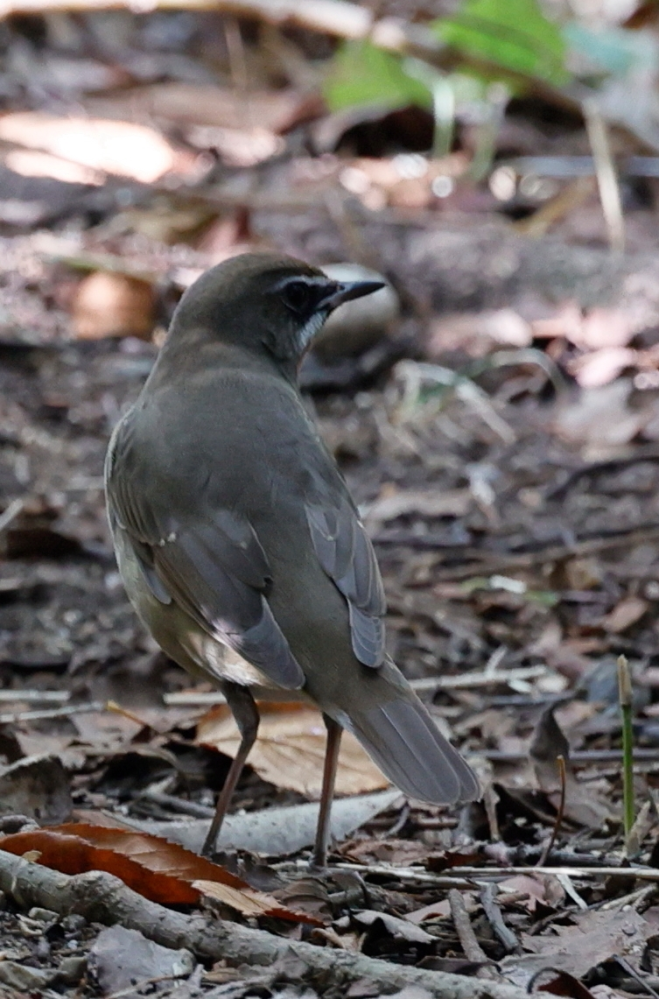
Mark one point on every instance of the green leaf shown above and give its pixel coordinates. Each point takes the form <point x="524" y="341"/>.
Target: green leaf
<point x="513" y="34"/>
<point x="363" y="74"/>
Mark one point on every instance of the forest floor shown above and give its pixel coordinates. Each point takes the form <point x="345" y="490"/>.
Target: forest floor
<point x="502" y="441"/>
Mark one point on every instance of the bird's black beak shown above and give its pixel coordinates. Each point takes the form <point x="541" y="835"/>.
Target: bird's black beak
<point x="345" y="291"/>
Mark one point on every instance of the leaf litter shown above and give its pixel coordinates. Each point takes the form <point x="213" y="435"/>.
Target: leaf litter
<point x="507" y="471"/>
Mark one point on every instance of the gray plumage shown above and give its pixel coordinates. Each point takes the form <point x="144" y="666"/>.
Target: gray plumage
<point x="235" y="531"/>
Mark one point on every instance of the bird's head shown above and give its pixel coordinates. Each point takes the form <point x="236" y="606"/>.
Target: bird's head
<point x="264" y="303"/>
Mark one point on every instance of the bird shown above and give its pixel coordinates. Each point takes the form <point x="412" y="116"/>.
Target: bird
<point x="239" y="544"/>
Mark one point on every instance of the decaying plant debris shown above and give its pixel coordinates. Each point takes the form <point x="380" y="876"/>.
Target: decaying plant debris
<point x="500" y="433"/>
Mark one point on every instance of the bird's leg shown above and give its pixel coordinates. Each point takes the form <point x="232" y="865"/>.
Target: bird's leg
<point x="246" y="715"/>
<point x="334" y="731"/>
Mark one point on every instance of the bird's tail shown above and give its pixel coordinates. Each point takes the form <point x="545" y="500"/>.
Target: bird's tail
<point x="398" y="733"/>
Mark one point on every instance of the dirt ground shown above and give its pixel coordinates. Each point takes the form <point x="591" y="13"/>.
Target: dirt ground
<point x="501" y="438"/>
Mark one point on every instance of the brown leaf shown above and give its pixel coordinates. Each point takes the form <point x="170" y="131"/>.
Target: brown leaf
<point x="107" y="304"/>
<point x="625" y="614"/>
<point x="422" y="502"/>
<point x="158" y="870"/>
<point x="290" y="749"/>
<point x="252" y="903"/>
<point x="209" y="104"/>
<point x="595" y="938"/>
<point x="544" y="889"/>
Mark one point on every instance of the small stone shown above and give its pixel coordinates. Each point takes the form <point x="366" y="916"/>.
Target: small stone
<point x="360" y="324"/>
<point x="43" y="915"/>
<point x="71" y="970"/>
<point x="22" y="978"/>
<point x="73" y="923"/>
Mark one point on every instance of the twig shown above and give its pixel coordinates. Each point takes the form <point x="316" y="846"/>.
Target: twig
<point x="495" y="918"/>
<point x="544" y="857"/>
<point x="34" y="696"/>
<point x="65" y="712"/>
<point x="628" y="969"/>
<point x="470" y="945"/>
<point x="605" y="171"/>
<point x="467" y="877"/>
<point x="483" y="873"/>
<point x="11" y="512"/>
<point x="103" y="898"/>
<point x="625" y="697"/>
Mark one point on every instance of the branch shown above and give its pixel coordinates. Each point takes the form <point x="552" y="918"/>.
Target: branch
<point x="103" y="898"/>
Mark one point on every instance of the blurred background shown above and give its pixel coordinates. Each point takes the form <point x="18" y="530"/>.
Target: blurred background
<point x="495" y="411"/>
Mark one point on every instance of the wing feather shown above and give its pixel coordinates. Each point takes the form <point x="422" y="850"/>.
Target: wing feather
<point x="346" y="554"/>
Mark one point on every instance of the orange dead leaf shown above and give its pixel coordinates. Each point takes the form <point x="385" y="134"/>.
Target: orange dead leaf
<point x="152" y="866"/>
<point x="159" y="870"/>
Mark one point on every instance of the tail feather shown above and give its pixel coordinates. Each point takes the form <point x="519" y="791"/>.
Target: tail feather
<point x="403" y="740"/>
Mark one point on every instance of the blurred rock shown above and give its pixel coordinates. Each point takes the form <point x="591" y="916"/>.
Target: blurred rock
<point x="358" y="325"/>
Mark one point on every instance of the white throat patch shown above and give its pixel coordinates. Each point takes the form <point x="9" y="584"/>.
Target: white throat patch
<point x="309" y="330"/>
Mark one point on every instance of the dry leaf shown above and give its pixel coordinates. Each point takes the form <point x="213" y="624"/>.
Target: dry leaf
<point x="544" y="889"/>
<point x="275" y="831"/>
<point x="252" y="903"/>
<point x="114" y="147"/>
<point x="600" y="367"/>
<point x="107" y="304"/>
<point x="422" y="502"/>
<point x="290" y="749"/>
<point x="158" y="870"/>
<point x="600" y="418"/>
<point x="625" y="614"/>
<point x="595" y="938"/>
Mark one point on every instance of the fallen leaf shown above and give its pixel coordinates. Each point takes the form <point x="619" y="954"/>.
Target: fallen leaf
<point x="274" y="831"/>
<point x="114" y="147"/>
<point x="599" y="418"/>
<point x="107" y="304"/>
<point x="290" y="749"/>
<point x="38" y="787"/>
<point x="626" y="613"/>
<point x="252" y="903"/>
<point x="599" y="367"/>
<point x="120" y="958"/>
<point x="595" y="936"/>
<point x="477" y="334"/>
<point x="421" y="502"/>
<point x="400" y="929"/>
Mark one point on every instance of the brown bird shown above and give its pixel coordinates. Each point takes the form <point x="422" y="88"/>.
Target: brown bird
<point x="237" y="539"/>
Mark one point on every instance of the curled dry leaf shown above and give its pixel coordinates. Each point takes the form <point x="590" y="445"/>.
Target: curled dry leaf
<point x="252" y="903"/>
<point x="535" y="889"/>
<point x="290" y="749"/>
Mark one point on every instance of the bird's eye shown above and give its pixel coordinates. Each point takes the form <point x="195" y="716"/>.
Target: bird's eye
<point x="297" y="297"/>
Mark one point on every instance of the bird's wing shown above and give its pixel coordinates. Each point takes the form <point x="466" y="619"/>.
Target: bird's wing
<point x="211" y="565"/>
<point x="346" y="554"/>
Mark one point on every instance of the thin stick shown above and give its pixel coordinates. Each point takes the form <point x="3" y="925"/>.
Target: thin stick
<point x="495" y="918"/>
<point x="625" y="697"/>
<point x="607" y="179"/>
<point x="560" y="760"/>
<point x="470" y="945"/>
